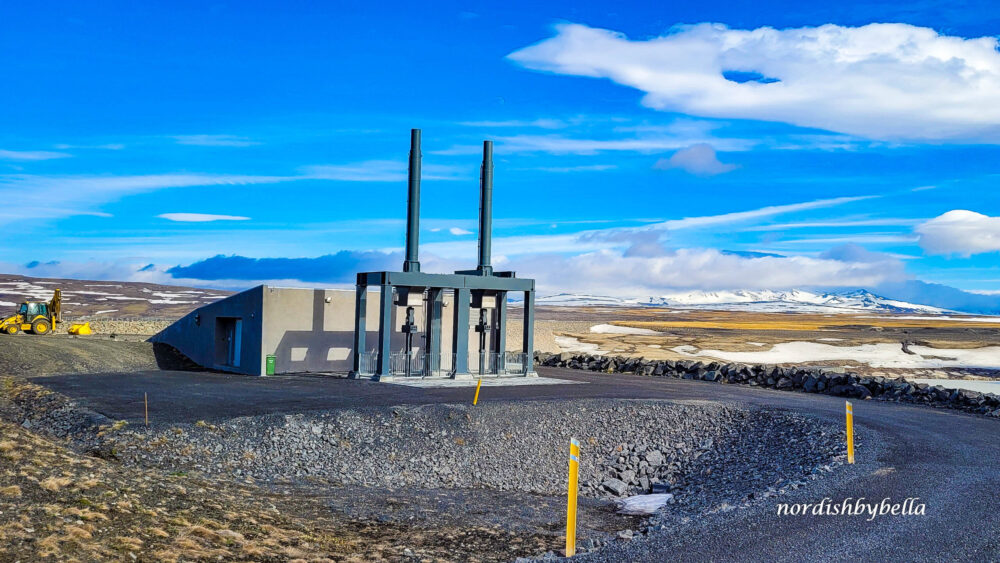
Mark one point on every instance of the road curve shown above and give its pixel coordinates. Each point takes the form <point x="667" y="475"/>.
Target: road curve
<point x="950" y="460"/>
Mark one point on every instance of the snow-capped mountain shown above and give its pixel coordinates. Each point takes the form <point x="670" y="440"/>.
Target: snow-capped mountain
<point x="765" y="300"/>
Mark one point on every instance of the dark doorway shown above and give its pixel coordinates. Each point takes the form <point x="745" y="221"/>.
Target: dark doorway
<point x="228" y="341"/>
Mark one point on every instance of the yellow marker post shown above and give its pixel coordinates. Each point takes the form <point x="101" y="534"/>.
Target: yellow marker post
<point x="574" y="473"/>
<point x="476" y="398"/>
<point x="850" y="433"/>
<point x="145" y="400"/>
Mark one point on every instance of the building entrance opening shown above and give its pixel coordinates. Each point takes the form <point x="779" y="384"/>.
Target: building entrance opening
<point x="228" y="341"/>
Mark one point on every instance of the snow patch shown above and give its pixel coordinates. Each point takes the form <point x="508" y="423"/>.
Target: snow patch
<point x="643" y="505"/>
<point x="570" y="344"/>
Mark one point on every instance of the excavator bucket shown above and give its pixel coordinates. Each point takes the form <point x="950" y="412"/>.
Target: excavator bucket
<point x="81" y="329"/>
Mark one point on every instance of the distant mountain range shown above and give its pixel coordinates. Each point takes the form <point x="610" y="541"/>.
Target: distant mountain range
<point x="793" y="300"/>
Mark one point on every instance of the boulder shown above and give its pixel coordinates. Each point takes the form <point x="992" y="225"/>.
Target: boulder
<point x="614" y="486"/>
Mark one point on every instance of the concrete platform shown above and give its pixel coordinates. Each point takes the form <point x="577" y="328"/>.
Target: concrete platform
<point x="446" y="383"/>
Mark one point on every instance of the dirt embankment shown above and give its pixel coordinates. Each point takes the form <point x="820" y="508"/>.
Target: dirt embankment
<point x="31" y="355"/>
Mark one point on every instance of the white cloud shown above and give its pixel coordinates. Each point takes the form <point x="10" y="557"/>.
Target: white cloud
<point x="200" y="217"/>
<point x="31" y="155"/>
<point x="879" y="81"/>
<point x="699" y="159"/>
<point x="214" y="140"/>
<point x="459" y="232"/>
<point x="608" y="272"/>
<point x="960" y="232"/>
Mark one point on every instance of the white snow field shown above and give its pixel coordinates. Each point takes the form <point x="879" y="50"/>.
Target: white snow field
<point x="881" y="355"/>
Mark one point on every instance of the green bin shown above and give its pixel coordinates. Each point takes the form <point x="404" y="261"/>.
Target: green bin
<point x="269" y="369"/>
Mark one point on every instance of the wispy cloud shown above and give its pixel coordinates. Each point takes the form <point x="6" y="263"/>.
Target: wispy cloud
<point x="869" y="238"/>
<point x="31" y="155"/>
<point x="80" y="195"/>
<point x="561" y="144"/>
<point x="539" y="123"/>
<point x="581" y="168"/>
<point x="214" y="140"/>
<point x="381" y="171"/>
<point x="200" y="217"/>
<point x="107" y="146"/>
<point x="741" y="216"/>
<point x="618" y="238"/>
<point x="459" y="232"/>
<point x="889" y="222"/>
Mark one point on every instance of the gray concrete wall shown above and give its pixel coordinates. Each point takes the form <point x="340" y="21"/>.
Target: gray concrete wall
<point x="307" y="330"/>
<point x="312" y="330"/>
<point x="306" y="333"/>
<point x="195" y="335"/>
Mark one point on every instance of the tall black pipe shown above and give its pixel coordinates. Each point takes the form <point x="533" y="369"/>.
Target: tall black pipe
<point x="412" y="262"/>
<point x="486" y="209"/>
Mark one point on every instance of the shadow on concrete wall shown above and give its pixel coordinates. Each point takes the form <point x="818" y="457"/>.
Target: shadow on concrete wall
<point x="170" y="358"/>
<point x="309" y="350"/>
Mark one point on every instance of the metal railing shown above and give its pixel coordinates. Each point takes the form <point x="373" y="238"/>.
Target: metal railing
<point x="515" y="363"/>
<point x="368" y="363"/>
<point x="496" y="364"/>
<point x="419" y="364"/>
<point x="407" y="364"/>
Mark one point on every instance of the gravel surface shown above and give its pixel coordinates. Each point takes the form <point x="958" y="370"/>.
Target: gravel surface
<point x="706" y="454"/>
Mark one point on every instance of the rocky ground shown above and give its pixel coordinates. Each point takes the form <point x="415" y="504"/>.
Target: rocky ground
<point x="701" y="453"/>
<point x="430" y="466"/>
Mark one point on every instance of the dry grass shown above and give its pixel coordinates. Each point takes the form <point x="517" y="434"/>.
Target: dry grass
<point x="57" y="504"/>
<point x="10" y="491"/>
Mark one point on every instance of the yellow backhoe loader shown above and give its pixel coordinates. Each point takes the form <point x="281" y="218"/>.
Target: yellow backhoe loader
<point x="38" y="317"/>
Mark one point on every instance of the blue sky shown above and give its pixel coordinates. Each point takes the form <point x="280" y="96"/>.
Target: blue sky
<point x="631" y="138"/>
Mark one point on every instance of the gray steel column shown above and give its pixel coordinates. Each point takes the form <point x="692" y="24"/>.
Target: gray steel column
<point x="500" y="324"/>
<point x="412" y="263"/>
<point x="360" y="326"/>
<point x="384" y="332"/>
<point x="486" y="209"/>
<point x="435" y="306"/>
<point x="460" y="334"/>
<point x="529" y="330"/>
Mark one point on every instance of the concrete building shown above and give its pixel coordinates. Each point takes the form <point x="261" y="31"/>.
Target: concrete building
<point x="305" y="330"/>
<point x="427" y="325"/>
